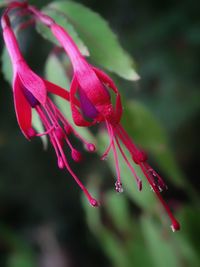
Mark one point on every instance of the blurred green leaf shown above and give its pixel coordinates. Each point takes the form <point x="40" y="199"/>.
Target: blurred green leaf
<point x="20" y="259"/>
<point x="160" y="246"/>
<point x="6" y="66"/>
<point x="190" y="218"/>
<point x="21" y="252"/>
<point x="59" y="76"/>
<point x="118" y="209"/>
<point x="2" y="3"/>
<point x="102" y="43"/>
<point x="137" y="250"/>
<point x="115" y="249"/>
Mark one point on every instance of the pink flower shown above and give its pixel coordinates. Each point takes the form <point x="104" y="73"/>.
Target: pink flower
<point x="32" y="92"/>
<point x="92" y="86"/>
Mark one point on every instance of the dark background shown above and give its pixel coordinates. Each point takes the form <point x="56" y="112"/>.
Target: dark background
<point x="40" y="208"/>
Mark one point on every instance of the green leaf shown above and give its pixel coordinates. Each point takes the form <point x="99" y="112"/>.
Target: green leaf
<point x="102" y="43"/>
<point x="190" y="218"/>
<point x="3" y="3"/>
<point x="55" y="72"/>
<point x="117" y="207"/>
<point x="21" y="254"/>
<point x="6" y="66"/>
<point x="115" y="249"/>
<point x="160" y="246"/>
<point x="20" y="259"/>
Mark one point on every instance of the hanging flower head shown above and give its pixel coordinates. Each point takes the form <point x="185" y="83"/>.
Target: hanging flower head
<point x="92" y="87"/>
<point x="90" y="100"/>
<point x="32" y="92"/>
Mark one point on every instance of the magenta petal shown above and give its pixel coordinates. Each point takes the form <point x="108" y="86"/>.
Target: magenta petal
<point x="87" y="107"/>
<point x="22" y="108"/>
<point x="32" y="82"/>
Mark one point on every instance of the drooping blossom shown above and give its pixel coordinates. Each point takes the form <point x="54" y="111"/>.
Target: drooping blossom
<point x="92" y="86"/>
<point x="32" y="92"/>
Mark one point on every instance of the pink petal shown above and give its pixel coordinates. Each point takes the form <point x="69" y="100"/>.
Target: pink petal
<point x="32" y="82"/>
<point x="87" y="107"/>
<point x="22" y="108"/>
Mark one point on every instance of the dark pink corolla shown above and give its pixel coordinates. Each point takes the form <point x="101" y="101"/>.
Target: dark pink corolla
<point x="92" y="87"/>
<point x="32" y="92"/>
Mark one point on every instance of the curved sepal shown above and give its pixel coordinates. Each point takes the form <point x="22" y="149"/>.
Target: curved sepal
<point x="32" y="82"/>
<point x="56" y="90"/>
<point x="22" y="108"/>
<point x="111" y="85"/>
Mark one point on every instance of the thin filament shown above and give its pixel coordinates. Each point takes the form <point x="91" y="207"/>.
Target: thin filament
<point x="129" y="165"/>
<point x="111" y="135"/>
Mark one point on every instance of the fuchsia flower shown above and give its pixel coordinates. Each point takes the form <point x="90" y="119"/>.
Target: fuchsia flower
<point x="92" y="87"/>
<point x="90" y="101"/>
<point x="32" y="92"/>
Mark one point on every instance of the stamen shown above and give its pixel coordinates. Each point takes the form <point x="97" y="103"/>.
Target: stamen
<point x="175" y="224"/>
<point x="69" y="128"/>
<point x="137" y="155"/>
<point x="118" y="184"/>
<point x="155" y="177"/>
<point x="60" y="135"/>
<point x="59" y="131"/>
<point x="126" y="139"/>
<point x="46" y="132"/>
<point x="105" y="154"/>
<point x="57" y="136"/>
<point x="118" y="187"/>
<point x="48" y="126"/>
<point x="60" y="163"/>
<point x="76" y="155"/>
<point x="92" y="201"/>
<point x="51" y="115"/>
<point x="139" y="182"/>
<point x="91" y="147"/>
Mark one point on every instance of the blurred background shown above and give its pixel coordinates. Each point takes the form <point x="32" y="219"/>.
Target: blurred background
<point x="44" y="219"/>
